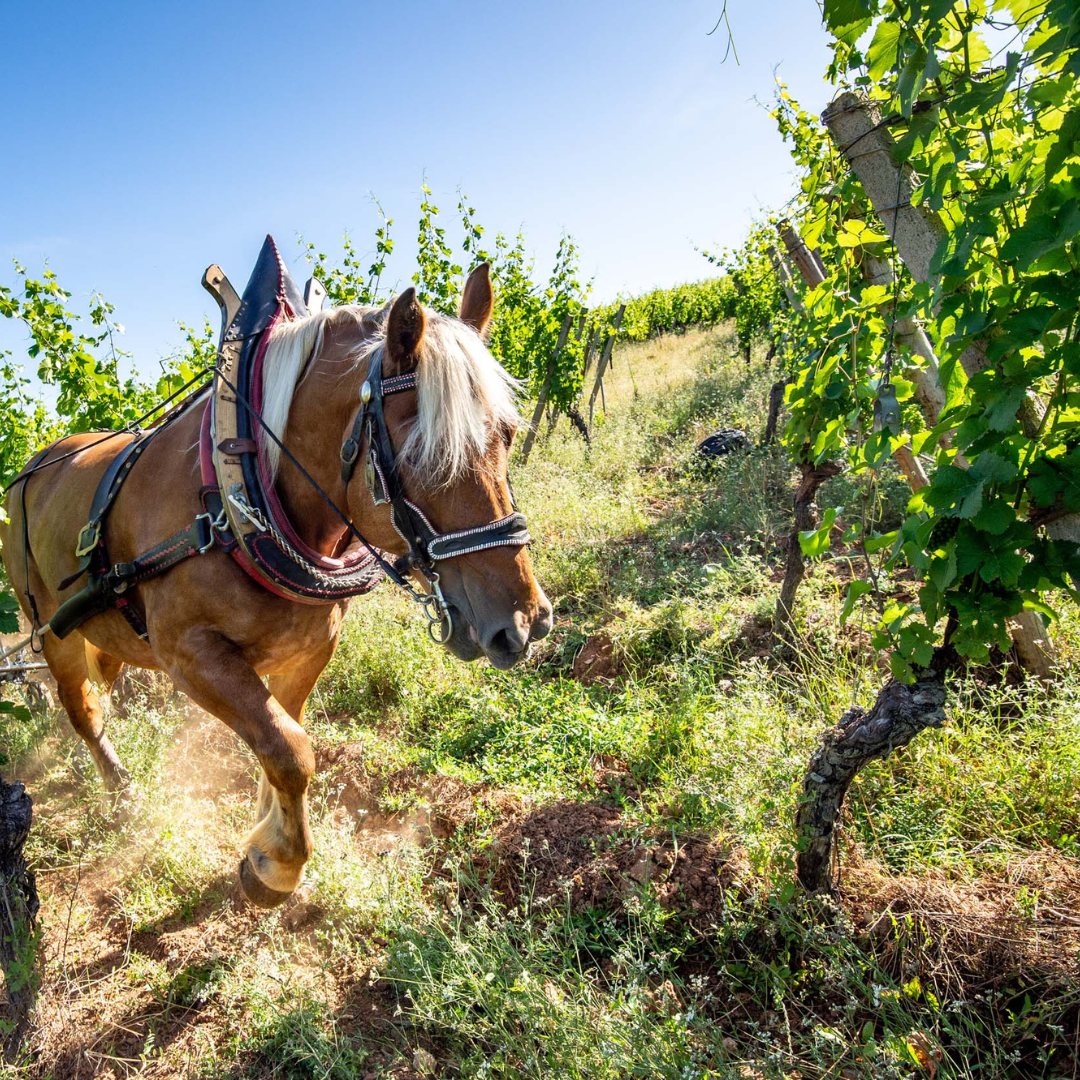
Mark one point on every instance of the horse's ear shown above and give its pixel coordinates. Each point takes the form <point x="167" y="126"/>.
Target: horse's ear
<point x="478" y="300"/>
<point x="404" y="330"/>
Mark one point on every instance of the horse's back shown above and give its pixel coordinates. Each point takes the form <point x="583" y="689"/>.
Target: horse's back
<point x="57" y="502"/>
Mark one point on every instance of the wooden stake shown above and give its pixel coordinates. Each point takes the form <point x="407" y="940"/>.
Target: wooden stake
<point x="579" y="336"/>
<point x="605" y="360"/>
<point x="807" y="264"/>
<point x="590" y="350"/>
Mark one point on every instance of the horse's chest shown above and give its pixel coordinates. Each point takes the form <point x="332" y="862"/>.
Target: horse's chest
<point x="292" y="634"/>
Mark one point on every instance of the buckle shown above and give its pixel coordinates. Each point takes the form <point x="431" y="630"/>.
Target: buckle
<point x="203" y="528"/>
<point x="88" y="539"/>
<point x="208" y="526"/>
<point x="119" y="577"/>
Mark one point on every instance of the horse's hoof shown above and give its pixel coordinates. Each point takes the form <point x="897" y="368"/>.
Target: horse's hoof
<point x="256" y="892"/>
<point x="118" y="781"/>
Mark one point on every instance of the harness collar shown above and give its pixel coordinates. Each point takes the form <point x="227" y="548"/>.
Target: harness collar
<point x="267" y="547"/>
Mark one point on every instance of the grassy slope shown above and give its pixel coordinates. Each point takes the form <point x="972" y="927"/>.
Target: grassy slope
<point x="582" y="868"/>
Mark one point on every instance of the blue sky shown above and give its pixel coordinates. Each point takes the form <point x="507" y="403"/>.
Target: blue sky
<point x="144" y="141"/>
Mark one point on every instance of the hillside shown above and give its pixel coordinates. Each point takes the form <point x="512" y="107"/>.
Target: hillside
<point x="584" y="867"/>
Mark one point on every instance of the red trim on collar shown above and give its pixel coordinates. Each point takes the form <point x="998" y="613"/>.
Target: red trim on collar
<point x="209" y="478"/>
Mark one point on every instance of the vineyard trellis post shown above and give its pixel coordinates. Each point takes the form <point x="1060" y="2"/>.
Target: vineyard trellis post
<point x="605" y="360"/>
<point x="813" y="476"/>
<point x="812" y="270"/>
<point x="794" y="300"/>
<point x="808" y="264"/>
<point x="545" y="389"/>
<point x="592" y="335"/>
<point x="783" y="273"/>
<point x="917" y="231"/>
<point x="776" y="401"/>
<point x="858" y="132"/>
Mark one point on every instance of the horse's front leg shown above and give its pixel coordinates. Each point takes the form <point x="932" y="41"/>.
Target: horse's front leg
<point x="291" y="690"/>
<point x="213" y="672"/>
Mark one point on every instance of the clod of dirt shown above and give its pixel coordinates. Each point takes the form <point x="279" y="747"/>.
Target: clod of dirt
<point x="596" y="661"/>
<point x="971" y="935"/>
<point x="588" y="855"/>
<point x="612" y="774"/>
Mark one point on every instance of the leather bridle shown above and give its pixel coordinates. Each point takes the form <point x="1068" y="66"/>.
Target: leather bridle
<point x="427" y="546"/>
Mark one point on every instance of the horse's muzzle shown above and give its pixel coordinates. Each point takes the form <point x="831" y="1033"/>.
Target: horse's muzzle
<point x="504" y="643"/>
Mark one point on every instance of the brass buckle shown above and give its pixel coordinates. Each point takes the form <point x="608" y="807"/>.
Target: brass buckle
<point x="88" y="539"/>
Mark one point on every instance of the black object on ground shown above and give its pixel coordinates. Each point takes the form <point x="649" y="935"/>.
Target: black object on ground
<point x="725" y="441"/>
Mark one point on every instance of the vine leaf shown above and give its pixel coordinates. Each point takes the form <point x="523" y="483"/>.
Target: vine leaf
<point x="842" y="16"/>
<point x="1065" y="144"/>
<point x="9" y="614"/>
<point x="992" y="560"/>
<point x="1042" y="233"/>
<point x="815" y="542"/>
<point x="855" y="589"/>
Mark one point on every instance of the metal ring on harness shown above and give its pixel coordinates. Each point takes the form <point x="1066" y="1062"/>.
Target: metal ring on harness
<point x="436" y="611"/>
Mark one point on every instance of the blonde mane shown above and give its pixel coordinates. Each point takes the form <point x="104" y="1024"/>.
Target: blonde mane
<point x="463" y="392"/>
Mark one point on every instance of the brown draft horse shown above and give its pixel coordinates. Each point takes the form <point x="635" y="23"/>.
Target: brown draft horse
<point x="216" y="631"/>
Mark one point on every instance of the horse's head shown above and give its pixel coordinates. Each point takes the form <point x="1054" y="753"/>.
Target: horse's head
<point x="452" y="437"/>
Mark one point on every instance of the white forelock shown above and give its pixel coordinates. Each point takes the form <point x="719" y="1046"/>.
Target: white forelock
<point x="463" y="392"/>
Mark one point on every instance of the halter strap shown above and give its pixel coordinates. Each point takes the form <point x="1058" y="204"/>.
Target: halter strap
<point x="350" y="448"/>
<point x="427" y="546"/>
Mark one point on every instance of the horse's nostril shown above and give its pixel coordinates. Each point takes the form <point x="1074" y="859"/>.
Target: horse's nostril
<point x="543" y="623"/>
<point x="506" y="642"/>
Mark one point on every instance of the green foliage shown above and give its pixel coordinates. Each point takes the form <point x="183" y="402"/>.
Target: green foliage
<point x="398" y="940"/>
<point x="995" y="148"/>
<point x="347" y="281"/>
<point x="754" y="296"/>
<point x="78" y="356"/>
<point x="530" y="310"/>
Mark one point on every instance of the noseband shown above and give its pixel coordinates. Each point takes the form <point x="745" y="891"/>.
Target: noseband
<point x="427" y="546"/>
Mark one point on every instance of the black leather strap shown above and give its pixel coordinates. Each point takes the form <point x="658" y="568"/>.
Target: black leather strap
<point x="411" y="525"/>
<point x="427" y="546"/>
<point x="350" y="448"/>
<point x="104" y="495"/>
<point x="108" y="588"/>
<point x="197" y="538"/>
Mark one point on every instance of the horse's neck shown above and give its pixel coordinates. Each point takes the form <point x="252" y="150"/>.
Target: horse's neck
<point x="321" y="410"/>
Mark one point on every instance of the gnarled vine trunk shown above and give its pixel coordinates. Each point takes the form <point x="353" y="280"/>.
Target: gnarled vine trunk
<point x="813" y="476"/>
<point x="897" y="716"/>
<point x="18" y="911"/>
